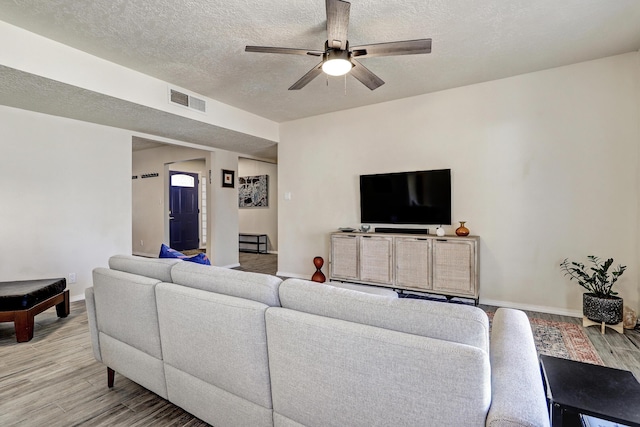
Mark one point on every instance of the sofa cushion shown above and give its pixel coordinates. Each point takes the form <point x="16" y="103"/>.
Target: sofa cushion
<point x="254" y="286"/>
<point x="375" y="290"/>
<point x="225" y="337"/>
<point x="150" y="267"/>
<point x="452" y="322"/>
<point x="212" y="404"/>
<point x="518" y="397"/>
<point x="125" y="306"/>
<point x="329" y="372"/>
<point x="134" y="364"/>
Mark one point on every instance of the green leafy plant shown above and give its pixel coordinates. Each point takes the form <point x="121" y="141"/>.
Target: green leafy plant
<point x="595" y="279"/>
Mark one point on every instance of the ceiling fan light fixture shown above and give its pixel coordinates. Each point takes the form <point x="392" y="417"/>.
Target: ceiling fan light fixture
<point x="337" y="63"/>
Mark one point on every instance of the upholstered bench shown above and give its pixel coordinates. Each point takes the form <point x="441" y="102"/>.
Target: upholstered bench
<point x="21" y="301"/>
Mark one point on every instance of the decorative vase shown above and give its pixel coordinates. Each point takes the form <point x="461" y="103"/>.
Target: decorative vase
<point x="462" y="230"/>
<point x="630" y="319"/>
<point x="607" y="310"/>
<point x="318" y="276"/>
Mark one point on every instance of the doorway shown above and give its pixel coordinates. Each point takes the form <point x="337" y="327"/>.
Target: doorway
<point x="184" y="214"/>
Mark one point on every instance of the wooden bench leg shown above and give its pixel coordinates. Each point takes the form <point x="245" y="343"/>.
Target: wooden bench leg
<point x="23" y="323"/>
<point x="111" y="374"/>
<point x="63" y="308"/>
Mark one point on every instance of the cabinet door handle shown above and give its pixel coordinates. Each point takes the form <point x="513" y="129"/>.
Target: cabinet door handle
<point x="421" y="239"/>
<point x="366" y="237"/>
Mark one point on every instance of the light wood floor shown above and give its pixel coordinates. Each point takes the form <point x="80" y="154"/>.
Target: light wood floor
<point x="54" y="380"/>
<point x="262" y="263"/>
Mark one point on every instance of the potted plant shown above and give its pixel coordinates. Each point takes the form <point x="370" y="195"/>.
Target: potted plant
<point x="600" y="303"/>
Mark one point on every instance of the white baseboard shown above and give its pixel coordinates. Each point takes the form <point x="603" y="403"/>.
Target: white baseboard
<point x="230" y="265"/>
<point x="77" y="298"/>
<point x="292" y="275"/>
<point x="145" y="254"/>
<point x="530" y="307"/>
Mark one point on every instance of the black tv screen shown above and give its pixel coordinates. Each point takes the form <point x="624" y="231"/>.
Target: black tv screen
<point x="422" y="197"/>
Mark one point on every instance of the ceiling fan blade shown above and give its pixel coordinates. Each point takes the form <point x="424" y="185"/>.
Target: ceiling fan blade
<point x="365" y="76"/>
<point x="337" y="23"/>
<point x="407" y="47"/>
<point x="304" y="80"/>
<point x="286" y="50"/>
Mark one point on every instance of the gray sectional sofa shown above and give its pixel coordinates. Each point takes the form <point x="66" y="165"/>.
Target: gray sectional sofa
<point x="246" y="349"/>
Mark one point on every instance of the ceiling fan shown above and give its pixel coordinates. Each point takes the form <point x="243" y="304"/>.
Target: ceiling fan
<point x="338" y="58"/>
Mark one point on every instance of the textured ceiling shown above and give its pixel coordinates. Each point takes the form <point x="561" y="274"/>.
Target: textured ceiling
<point x="199" y="44"/>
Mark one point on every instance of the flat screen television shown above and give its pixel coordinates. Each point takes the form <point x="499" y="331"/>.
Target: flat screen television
<point x="421" y="197"/>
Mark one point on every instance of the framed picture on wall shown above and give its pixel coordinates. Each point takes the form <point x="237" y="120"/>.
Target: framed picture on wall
<point x="253" y="191"/>
<point x="227" y="178"/>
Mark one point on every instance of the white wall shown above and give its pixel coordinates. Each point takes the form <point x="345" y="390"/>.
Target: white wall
<point x="151" y="198"/>
<point x="38" y="55"/>
<point x="151" y="194"/>
<point x="222" y="247"/>
<point x="261" y="220"/>
<point x="66" y="197"/>
<point x="544" y="166"/>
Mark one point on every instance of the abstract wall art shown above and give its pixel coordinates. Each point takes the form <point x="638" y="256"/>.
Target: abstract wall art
<point x="253" y="191"/>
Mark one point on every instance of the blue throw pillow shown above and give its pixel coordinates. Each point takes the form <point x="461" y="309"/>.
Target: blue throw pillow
<point x="167" y="252"/>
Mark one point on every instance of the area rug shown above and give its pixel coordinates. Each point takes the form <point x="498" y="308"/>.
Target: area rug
<point x="562" y="339"/>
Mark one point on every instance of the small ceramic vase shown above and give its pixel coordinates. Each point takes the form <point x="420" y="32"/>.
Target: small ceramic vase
<point x="462" y="230"/>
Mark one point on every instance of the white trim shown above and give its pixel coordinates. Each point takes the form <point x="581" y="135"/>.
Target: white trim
<point x="237" y="264"/>
<point x="529" y="307"/>
<point x="77" y="298"/>
<point x="292" y="275"/>
<point x="273" y="252"/>
<point x="145" y="254"/>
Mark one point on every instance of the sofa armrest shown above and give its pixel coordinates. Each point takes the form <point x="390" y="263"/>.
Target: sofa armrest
<point x="90" y="301"/>
<point x="517" y="391"/>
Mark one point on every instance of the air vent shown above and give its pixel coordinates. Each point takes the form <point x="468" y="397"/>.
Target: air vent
<point x="187" y="100"/>
<point x="197" y="104"/>
<point x="179" y="98"/>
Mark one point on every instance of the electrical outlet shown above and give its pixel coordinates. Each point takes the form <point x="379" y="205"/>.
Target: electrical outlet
<point x="72" y="277"/>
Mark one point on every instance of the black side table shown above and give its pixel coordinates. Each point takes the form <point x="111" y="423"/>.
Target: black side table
<point x="583" y="388"/>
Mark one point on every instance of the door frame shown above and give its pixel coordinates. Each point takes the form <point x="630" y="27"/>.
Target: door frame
<point x="166" y="205"/>
<point x="195" y="217"/>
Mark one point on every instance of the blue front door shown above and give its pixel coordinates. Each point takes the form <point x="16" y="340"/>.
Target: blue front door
<point x="184" y="213"/>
